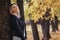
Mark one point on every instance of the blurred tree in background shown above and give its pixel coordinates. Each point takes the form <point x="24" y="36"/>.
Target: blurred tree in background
<point x="37" y="8"/>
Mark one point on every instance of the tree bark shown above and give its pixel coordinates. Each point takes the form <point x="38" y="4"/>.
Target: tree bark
<point x="34" y="30"/>
<point x="4" y="19"/>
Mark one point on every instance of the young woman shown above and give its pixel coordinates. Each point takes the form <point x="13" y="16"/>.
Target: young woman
<point x="16" y="22"/>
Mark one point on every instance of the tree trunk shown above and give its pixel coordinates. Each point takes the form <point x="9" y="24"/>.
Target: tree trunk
<point x="34" y="30"/>
<point x="4" y="17"/>
<point x="21" y="7"/>
<point x="20" y="4"/>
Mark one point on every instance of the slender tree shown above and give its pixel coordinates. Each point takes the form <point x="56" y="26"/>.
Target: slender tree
<point x="21" y="7"/>
<point x="34" y="29"/>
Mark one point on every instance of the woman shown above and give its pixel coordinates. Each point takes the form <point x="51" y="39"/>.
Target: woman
<point x="16" y="22"/>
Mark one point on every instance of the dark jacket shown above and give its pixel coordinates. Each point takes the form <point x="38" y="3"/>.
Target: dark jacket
<point x="17" y="26"/>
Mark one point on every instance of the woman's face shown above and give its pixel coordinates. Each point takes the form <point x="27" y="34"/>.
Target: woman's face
<point x="14" y="8"/>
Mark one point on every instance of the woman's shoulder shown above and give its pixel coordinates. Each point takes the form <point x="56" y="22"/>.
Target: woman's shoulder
<point x="12" y="16"/>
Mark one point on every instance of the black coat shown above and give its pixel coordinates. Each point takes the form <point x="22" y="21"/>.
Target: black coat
<point x="17" y="26"/>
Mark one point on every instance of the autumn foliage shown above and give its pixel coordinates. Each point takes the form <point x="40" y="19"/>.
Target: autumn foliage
<point x="37" y="8"/>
